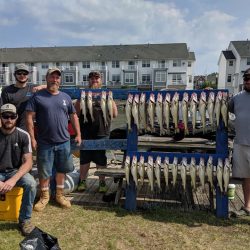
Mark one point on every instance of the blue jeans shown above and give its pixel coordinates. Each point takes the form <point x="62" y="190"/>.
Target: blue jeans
<point x="57" y="155"/>
<point x="28" y="183"/>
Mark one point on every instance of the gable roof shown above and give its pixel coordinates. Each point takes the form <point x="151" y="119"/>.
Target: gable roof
<point x="96" y="53"/>
<point x="242" y="47"/>
<point x="228" y="54"/>
<point x="191" y="56"/>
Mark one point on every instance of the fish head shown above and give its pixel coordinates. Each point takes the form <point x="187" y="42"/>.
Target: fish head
<point x="130" y="98"/>
<point x="219" y="96"/>
<point x="176" y="97"/>
<point x="168" y="98"/>
<point x="152" y="97"/>
<point x="193" y="161"/>
<point x="211" y="97"/>
<point x="136" y="99"/>
<point x="203" y="97"/>
<point x="175" y="161"/>
<point x="159" y="97"/>
<point x="150" y="160"/>
<point x="166" y="160"/>
<point x="225" y="96"/>
<point x="184" y="161"/>
<point x="110" y="95"/>
<point x="134" y="159"/>
<point x="142" y="98"/>
<point x="104" y="95"/>
<point x="90" y="95"/>
<point x="158" y="160"/>
<point x="141" y="159"/>
<point x="210" y="160"/>
<point x="194" y="97"/>
<point x="83" y="94"/>
<point x="220" y="163"/>
<point x="185" y="97"/>
<point x="202" y="161"/>
<point x="127" y="161"/>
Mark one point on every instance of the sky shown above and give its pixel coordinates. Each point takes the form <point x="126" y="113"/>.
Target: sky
<point x="206" y="26"/>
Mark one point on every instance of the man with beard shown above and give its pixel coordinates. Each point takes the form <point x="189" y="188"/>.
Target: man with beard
<point x="19" y="93"/>
<point x="52" y="109"/>
<point x="239" y="105"/>
<point x="15" y="163"/>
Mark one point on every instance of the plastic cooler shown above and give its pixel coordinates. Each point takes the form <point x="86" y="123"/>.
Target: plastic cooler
<point x="10" y="204"/>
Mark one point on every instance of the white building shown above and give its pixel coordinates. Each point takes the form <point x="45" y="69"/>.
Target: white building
<point x="232" y="64"/>
<point x="152" y="65"/>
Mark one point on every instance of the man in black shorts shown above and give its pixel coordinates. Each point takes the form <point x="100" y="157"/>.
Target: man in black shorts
<point x="19" y="93"/>
<point x="15" y="163"/>
<point x="92" y="130"/>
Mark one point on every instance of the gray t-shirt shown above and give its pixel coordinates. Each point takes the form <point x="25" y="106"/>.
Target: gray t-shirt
<point x="12" y="147"/>
<point x="240" y="106"/>
<point x="52" y="116"/>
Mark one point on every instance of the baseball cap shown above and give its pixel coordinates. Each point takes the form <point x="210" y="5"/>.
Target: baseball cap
<point x="246" y="73"/>
<point x="21" y="67"/>
<point x="8" y="107"/>
<point x="95" y="74"/>
<point x="52" y="70"/>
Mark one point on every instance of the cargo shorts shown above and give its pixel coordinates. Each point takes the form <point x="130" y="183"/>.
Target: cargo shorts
<point x="57" y="155"/>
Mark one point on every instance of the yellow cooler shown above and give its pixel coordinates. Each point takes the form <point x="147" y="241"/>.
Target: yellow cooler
<point x="10" y="204"/>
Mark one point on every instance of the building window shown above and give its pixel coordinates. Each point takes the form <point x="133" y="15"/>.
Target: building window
<point x="69" y="78"/>
<point x="45" y="65"/>
<point x="177" y="79"/>
<point x="58" y="64"/>
<point x="248" y="61"/>
<point x="162" y="64"/>
<point x="116" y="78"/>
<point x="86" y="65"/>
<point x="146" y="64"/>
<point x="115" y="64"/>
<point x="229" y="78"/>
<point x="43" y="78"/>
<point x="161" y="76"/>
<point x="190" y="79"/>
<point x="131" y="65"/>
<point x="85" y="78"/>
<point x="146" y="78"/>
<point x="231" y="63"/>
<point x="1" y="78"/>
<point x="71" y="64"/>
<point x="176" y="63"/>
<point x="189" y="64"/>
<point x="5" y="65"/>
<point x="129" y="77"/>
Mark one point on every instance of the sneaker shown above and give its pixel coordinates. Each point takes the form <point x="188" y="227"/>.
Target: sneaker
<point x="26" y="227"/>
<point x="102" y="187"/>
<point x="82" y="186"/>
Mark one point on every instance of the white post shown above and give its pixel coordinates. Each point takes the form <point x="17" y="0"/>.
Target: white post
<point x="106" y="75"/>
<point x="137" y="74"/>
<point x="7" y="75"/>
<point x="34" y="75"/>
<point x="76" y="70"/>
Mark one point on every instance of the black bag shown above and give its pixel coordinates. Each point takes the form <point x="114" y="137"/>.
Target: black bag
<point x="39" y="240"/>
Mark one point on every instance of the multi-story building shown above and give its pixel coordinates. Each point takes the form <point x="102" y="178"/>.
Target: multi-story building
<point x="153" y="65"/>
<point x="232" y="64"/>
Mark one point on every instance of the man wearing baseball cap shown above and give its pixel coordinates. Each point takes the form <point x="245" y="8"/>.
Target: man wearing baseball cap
<point x="19" y="93"/>
<point x="51" y="109"/>
<point x="239" y="105"/>
<point x="15" y="164"/>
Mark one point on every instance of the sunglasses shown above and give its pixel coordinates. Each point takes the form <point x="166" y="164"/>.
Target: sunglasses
<point x="6" y="117"/>
<point x="22" y="73"/>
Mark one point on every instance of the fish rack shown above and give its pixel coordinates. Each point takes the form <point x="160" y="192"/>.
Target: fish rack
<point x="221" y="152"/>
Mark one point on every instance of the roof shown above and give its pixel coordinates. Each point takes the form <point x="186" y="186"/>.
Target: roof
<point x="242" y="47"/>
<point x="96" y="53"/>
<point x="228" y="54"/>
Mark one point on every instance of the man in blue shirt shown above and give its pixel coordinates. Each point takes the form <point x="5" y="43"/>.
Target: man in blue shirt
<point x="51" y="109"/>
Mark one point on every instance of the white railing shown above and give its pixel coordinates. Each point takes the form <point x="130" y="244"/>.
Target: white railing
<point x="130" y="67"/>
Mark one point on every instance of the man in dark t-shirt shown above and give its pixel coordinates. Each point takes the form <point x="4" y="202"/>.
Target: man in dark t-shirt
<point x="52" y="109"/>
<point x="15" y="163"/>
<point x="19" y="93"/>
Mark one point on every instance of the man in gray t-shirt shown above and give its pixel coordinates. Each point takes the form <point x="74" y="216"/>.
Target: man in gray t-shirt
<point x="239" y="105"/>
<point x="52" y="109"/>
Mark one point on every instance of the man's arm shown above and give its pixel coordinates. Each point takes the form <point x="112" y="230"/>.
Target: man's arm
<point x="25" y="168"/>
<point x="76" y="126"/>
<point x="30" y="127"/>
<point x="77" y="107"/>
<point x="38" y="87"/>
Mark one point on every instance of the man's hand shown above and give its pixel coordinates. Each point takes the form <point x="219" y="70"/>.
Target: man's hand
<point x="7" y="185"/>
<point x="78" y="140"/>
<point x="1" y="184"/>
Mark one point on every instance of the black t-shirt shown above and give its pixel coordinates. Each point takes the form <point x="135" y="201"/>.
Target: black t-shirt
<point x="96" y="129"/>
<point x="12" y="148"/>
<point x="18" y="97"/>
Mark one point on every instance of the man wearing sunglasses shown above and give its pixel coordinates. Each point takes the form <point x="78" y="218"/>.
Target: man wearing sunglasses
<point x="239" y="105"/>
<point x="15" y="163"/>
<point x="19" y="93"/>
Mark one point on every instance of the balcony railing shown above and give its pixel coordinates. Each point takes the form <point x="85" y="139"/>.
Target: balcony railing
<point x="130" y="67"/>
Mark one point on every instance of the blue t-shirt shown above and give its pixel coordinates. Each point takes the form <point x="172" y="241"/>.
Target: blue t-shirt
<point x="52" y="115"/>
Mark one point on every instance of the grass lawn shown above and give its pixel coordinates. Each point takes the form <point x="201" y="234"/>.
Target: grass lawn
<point x="115" y="228"/>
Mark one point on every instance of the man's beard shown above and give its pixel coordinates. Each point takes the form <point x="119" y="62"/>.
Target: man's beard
<point x="246" y="88"/>
<point x="8" y="126"/>
<point x="20" y="81"/>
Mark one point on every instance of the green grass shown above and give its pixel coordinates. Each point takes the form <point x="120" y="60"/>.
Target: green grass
<point x="115" y="228"/>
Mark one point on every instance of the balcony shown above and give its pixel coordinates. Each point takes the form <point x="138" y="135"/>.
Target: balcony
<point x="130" y="68"/>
